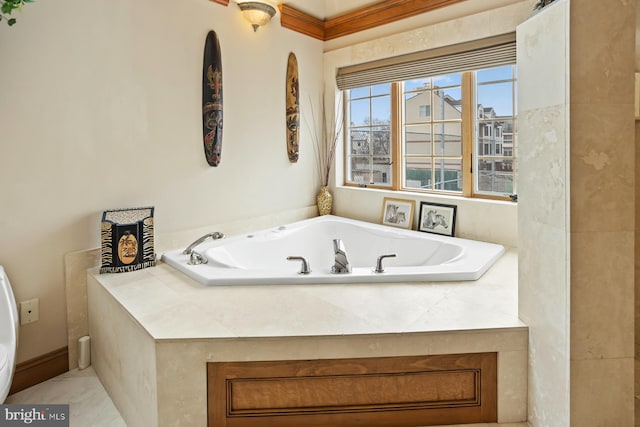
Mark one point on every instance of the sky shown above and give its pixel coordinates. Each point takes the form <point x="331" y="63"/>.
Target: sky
<point x="489" y="94"/>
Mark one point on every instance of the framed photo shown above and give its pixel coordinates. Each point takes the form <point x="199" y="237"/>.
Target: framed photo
<point x="437" y="218"/>
<point x="398" y="212"/>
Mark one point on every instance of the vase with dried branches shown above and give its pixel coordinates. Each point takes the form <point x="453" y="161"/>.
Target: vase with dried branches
<point x="325" y="134"/>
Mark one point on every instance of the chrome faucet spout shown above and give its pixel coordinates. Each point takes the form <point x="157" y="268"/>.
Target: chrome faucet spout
<point x="341" y="262"/>
<point x="215" y="236"/>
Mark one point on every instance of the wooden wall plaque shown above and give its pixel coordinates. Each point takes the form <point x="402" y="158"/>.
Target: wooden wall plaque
<point x="212" y="100"/>
<point x="293" y="108"/>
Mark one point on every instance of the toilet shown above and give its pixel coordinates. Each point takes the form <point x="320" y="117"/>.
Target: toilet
<point x="8" y="334"/>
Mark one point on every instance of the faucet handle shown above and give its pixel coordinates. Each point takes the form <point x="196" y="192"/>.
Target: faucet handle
<point x="196" y="258"/>
<point x="305" y="269"/>
<point x="379" y="268"/>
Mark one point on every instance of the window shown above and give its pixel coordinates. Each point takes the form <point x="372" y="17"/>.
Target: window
<point x="440" y="120"/>
<point x="453" y="133"/>
<point x="369" y="129"/>
<point x="495" y="92"/>
<point x="432" y="145"/>
<point x="425" y="110"/>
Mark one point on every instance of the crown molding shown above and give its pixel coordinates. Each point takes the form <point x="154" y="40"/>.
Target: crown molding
<point x="365" y="18"/>
<point x="297" y="20"/>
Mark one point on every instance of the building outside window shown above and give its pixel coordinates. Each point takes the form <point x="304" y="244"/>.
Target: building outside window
<point x="369" y="129"/>
<point x="432" y="145"/>
<point x="495" y="93"/>
<point x="453" y="133"/>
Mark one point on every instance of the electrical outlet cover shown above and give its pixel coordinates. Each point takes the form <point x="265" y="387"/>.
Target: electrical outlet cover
<point x="29" y="311"/>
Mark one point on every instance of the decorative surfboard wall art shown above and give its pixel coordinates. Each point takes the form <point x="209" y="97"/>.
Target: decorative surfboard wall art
<point x="212" y="100"/>
<point x="293" y="109"/>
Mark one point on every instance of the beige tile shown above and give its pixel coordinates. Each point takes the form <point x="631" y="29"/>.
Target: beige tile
<point x="548" y="382"/>
<point x="195" y="324"/>
<point x="182" y="384"/>
<point x="543" y="36"/>
<point x="495" y="222"/>
<point x="602" y="168"/>
<point x="543" y="245"/>
<point x="171" y="306"/>
<point x="89" y="403"/>
<point x="602" y="295"/>
<point x="543" y="167"/>
<point x="172" y="240"/>
<point x="512" y="386"/>
<point x="543" y="288"/>
<point x="543" y="202"/>
<point x="637" y="406"/>
<point x="505" y="271"/>
<point x="602" y="52"/>
<point x="181" y="365"/>
<point x="410" y="344"/>
<point x="447" y="32"/>
<point x="602" y="392"/>
<point x="75" y="274"/>
<point x="636" y="364"/>
<point x="123" y="356"/>
<point x="484" y="220"/>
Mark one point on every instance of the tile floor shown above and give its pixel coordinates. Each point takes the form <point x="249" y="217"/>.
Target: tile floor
<point x="89" y="403"/>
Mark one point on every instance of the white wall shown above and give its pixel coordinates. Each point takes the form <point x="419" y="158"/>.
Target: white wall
<point x="100" y="108"/>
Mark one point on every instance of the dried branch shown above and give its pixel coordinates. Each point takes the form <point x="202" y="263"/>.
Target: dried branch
<point x="326" y="141"/>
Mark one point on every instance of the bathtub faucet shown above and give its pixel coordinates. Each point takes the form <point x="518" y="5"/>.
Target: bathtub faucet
<point x="379" y="268"/>
<point x="305" y="269"/>
<point x="215" y="236"/>
<point x="341" y="264"/>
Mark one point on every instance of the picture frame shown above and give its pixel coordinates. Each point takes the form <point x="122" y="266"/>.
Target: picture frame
<point x="398" y="212"/>
<point x="437" y="218"/>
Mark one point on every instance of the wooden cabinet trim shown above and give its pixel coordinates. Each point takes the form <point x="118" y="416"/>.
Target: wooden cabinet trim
<point x="371" y="392"/>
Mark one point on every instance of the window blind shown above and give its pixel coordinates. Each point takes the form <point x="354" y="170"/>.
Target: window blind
<point x="474" y="55"/>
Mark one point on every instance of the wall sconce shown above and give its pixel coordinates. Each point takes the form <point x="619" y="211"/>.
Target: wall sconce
<point x="257" y="13"/>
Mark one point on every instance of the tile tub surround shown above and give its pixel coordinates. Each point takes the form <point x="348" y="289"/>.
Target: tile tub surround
<point x="154" y="330"/>
<point x="77" y="263"/>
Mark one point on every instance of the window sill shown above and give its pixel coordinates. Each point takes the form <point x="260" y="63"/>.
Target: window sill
<point x="426" y="196"/>
<point x="487" y="220"/>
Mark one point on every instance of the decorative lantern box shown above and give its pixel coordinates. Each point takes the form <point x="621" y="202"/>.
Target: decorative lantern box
<point x="127" y="240"/>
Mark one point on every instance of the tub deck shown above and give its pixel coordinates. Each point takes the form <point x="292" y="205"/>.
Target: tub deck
<point x="154" y="330"/>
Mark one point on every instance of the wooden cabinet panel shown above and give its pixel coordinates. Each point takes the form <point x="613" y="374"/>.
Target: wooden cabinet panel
<point x="394" y="391"/>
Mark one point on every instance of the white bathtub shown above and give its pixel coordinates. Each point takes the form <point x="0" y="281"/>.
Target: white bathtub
<point x="260" y="258"/>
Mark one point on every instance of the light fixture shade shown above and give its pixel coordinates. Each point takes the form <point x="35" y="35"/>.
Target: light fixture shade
<point x="257" y="13"/>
